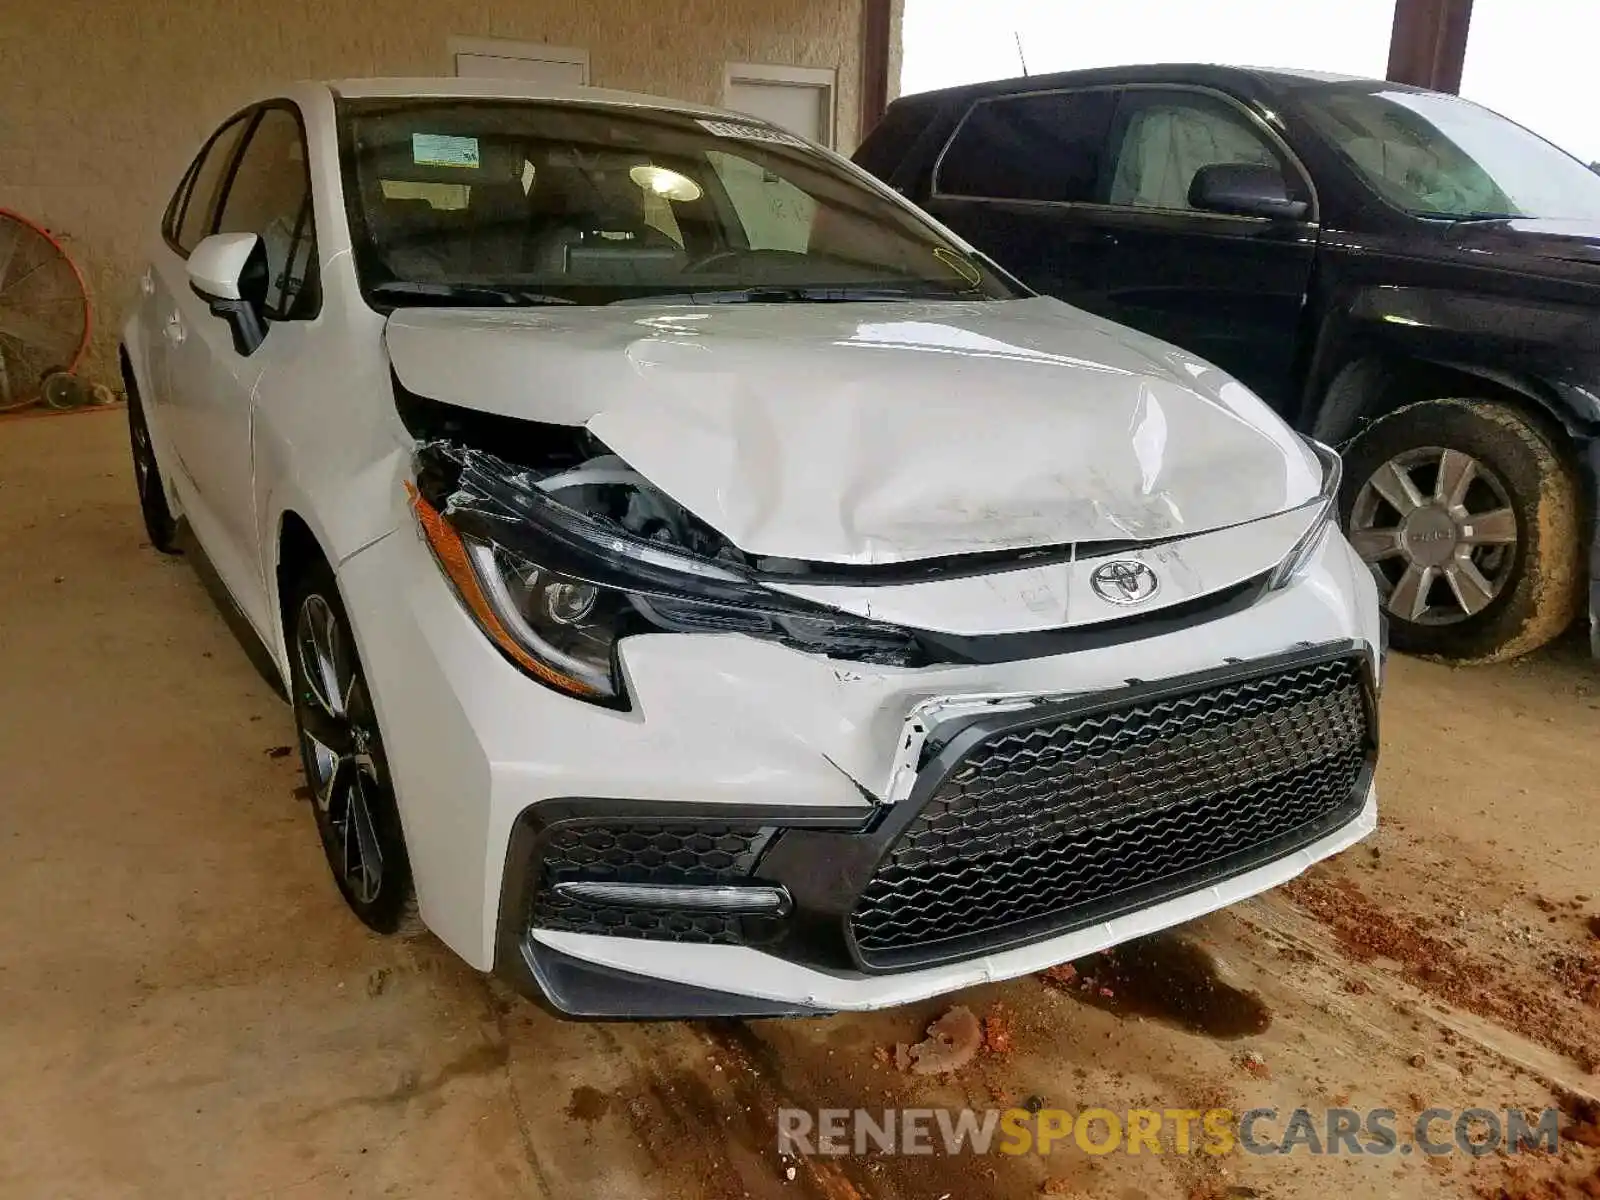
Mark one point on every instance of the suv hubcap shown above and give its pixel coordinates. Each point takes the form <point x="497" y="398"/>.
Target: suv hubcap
<point x="1437" y="529"/>
<point x="339" y="742"/>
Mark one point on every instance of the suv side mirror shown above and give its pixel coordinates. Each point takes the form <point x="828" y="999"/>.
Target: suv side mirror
<point x="1244" y="190"/>
<point x="229" y="272"/>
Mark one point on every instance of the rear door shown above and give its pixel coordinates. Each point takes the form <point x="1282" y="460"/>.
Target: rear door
<point x="1231" y="289"/>
<point x="189" y="218"/>
<point x="1012" y="181"/>
<point x="213" y="385"/>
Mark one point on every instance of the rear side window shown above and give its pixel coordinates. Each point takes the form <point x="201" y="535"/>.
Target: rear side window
<point x="1041" y="147"/>
<point x="194" y="206"/>
<point x="270" y="195"/>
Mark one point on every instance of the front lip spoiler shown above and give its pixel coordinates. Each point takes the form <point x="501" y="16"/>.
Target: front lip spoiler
<point x="572" y="988"/>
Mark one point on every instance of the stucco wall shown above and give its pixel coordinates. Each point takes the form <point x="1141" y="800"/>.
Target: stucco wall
<point x="103" y="102"/>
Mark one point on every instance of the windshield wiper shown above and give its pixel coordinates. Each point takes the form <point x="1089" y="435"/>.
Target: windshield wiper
<point x="781" y="294"/>
<point x="1471" y="216"/>
<point x="470" y="293"/>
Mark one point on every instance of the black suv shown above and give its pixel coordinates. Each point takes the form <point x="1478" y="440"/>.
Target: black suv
<point x="1398" y="272"/>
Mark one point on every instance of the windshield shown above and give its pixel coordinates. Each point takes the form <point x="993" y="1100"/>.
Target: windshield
<point x="525" y="202"/>
<point x="1441" y="156"/>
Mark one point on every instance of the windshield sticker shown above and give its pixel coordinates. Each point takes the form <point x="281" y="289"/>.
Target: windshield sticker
<point x="754" y="133"/>
<point x="444" y="150"/>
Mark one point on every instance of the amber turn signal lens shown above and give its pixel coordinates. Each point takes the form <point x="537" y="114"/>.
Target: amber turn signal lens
<point x="452" y="556"/>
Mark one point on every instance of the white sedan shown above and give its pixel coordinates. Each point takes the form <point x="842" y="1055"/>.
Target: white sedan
<point x="707" y="586"/>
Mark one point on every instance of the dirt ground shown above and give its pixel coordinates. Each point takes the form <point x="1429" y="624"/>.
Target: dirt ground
<point x="186" y="1010"/>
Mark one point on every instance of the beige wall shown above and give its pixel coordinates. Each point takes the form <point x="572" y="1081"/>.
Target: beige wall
<point x="103" y="102"/>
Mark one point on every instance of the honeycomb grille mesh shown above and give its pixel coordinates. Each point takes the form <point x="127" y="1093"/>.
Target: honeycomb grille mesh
<point x="640" y="853"/>
<point x="1049" y="823"/>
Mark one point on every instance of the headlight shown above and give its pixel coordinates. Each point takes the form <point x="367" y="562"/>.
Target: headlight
<point x="559" y="630"/>
<point x="555" y="590"/>
<point x="1324" y="507"/>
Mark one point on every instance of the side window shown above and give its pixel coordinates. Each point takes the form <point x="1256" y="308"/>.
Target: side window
<point x="776" y="215"/>
<point x="1042" y="147"/>
<point x="270" y="195"/>
<point x="1163" y="138"/>
<point x="190" y="214"/>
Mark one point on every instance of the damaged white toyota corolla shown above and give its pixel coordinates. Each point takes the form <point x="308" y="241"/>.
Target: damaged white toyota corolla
<point x="704" y="584"/>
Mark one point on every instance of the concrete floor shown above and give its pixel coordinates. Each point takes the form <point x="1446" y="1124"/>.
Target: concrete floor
<point x="187" y="1010"/>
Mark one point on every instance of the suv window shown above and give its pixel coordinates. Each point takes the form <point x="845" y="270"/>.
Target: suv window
<point x="1040" y="147"/>
<point x="270" y="195"/>
<point x="1441" y="156"/>
<point x="1162" y="138"/>
<point x="194" y="204"/>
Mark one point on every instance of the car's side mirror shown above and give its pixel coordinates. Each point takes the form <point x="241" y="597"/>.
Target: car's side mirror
<point x="229" y="272"/>
<point x="1244" y="190"/>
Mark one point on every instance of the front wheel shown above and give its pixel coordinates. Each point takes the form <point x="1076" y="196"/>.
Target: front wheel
<point x="1470" y="522"/>
<point x="342" y="752"/>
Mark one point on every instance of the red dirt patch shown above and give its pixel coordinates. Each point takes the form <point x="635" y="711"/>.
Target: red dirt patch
<point x="1366" y="931"/>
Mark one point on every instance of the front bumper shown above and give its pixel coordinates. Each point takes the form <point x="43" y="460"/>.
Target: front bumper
<point x="730" y="730"/>
<point x="585" y="975"/>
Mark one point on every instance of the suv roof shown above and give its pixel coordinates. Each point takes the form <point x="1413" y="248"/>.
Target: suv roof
<point x="1196" y="73"/>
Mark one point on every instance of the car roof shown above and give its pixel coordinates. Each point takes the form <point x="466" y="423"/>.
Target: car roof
<point x="455" y="87"/>
<point x="1212" y="74"/>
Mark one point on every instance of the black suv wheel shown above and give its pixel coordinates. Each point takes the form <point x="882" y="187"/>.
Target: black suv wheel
<point x="1470" y="522"/>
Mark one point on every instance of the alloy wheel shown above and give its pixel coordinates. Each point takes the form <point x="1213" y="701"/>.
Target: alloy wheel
<point x="342" y="752"/>
<point x="1438" y="531"/>
<point x="143" y="454"/>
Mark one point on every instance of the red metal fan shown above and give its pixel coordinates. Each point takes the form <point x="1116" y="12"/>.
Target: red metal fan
<point x="44" y="310"/>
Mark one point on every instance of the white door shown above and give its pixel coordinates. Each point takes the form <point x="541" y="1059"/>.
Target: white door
<point x="212" y="383"/>
<point x="558" y="66"/>
<point x="798" y="99"/>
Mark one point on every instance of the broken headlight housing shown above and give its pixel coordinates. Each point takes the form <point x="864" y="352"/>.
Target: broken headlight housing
<point x="1324" y="507"/>
<point x="555" y="588"/>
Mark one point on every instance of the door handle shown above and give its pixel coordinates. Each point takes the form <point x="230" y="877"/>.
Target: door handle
<point x="175" y="330"/>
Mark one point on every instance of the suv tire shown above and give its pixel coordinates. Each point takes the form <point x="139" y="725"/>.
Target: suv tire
<point x="1470" y="520"/>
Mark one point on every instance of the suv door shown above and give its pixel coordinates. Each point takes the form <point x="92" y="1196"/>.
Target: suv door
<point x="267" y="192"/>
<point x="1231" y="289"/>
<point x="1013" y="177"/>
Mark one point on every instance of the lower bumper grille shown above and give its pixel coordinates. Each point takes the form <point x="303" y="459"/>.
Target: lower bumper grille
<point x="1072" y="816"/>
<point x="613" y="852"/>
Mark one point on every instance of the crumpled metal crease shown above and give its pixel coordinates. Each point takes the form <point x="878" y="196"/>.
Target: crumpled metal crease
<point x="876" y="433"/>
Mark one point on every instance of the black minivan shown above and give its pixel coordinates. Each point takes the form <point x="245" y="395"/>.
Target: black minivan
<point x="1398" y="272"/>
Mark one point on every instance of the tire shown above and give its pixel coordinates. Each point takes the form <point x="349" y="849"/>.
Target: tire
<point x="160" y="526"/>
<point x="341" y="750"/>
<point x="1471" y="522"/>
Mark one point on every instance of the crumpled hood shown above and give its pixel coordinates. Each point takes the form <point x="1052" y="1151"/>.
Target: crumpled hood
<point x="881" y="432"/>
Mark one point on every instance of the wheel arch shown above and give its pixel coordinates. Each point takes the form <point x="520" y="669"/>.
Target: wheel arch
<point x="295" y="547"/>
<point x="1373" y="385"/>
<point x="135" y="381"/>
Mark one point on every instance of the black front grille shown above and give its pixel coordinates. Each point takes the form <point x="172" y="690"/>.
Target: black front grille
<point x="614" y="852"/>
<point x="1049" y="825"/>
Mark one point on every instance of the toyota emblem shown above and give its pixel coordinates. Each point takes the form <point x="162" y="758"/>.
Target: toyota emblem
<point x="1124" y="581"/>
